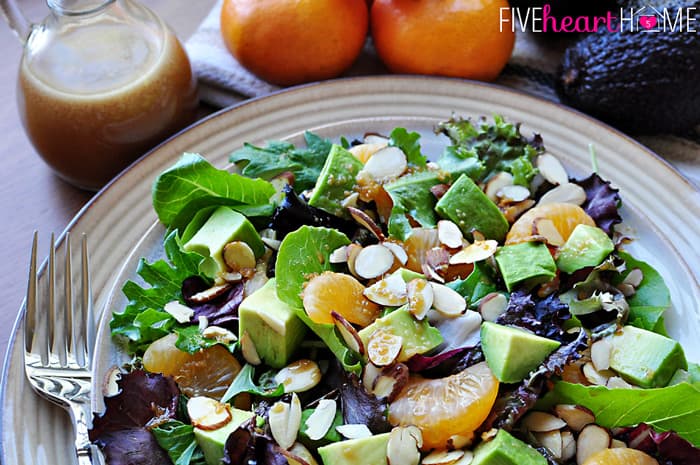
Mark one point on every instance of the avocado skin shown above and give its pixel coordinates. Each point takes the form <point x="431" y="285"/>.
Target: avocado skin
<point x="638" y="82"/>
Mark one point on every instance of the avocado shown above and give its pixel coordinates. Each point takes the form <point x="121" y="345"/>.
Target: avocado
<point x="408" y="275"/>
<point x="504" y="449"/>
<point x="367" y="451"/>
<point x="212" y="442"/>
<point x="511" y="353"/>
<point x="469" y="208"/>
<point x="586" y="246"/>
<point x="223" y="226"/>
<point x="273" y="326"/>
<point x="418" y="336"/>
<point x="640" y="82"/>
<point x="645" y="358"/>
<point x="336" y="181"/>
<point x="529" y="263"/>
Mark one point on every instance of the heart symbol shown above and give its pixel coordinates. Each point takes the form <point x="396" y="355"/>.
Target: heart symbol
<point x="647" y="22"/>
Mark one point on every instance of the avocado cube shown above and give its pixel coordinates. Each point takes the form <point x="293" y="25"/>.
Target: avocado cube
<point x="586" y="246"/>
<point x="336" y="181"/>
<point x="528" y="262"/>
<point x="504" y="449"/>
<point x="367" y="451"/>
<point x="645" y="358"/>
<point x="418" y="336"/>
<point x="469" y="208"/>
<point x="512" y="353"/>
<point x="272" y="325"/>
<point x="223" y="226"/>
<point x="212" y="442"/>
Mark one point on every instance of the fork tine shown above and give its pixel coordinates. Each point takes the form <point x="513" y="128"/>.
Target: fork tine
<point x="57" y="321"/>
<point x="68" y="310"/>
<point x="88" y="311"/>
<point x="30" y="317"/>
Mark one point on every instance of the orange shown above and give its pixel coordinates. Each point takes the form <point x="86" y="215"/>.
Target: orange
<point x="288" y="42"/>
<point x="445" y="407"/>
<point x="565" y="216"/>
<point x="341" y="293"/>
<point x="458" y="38"/>
<point x="620" y="456"/>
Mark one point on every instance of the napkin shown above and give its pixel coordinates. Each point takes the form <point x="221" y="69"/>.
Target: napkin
<point x="224" y="82"/>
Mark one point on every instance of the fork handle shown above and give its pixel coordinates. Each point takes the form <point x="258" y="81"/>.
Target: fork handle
<point x="89" y="455"/>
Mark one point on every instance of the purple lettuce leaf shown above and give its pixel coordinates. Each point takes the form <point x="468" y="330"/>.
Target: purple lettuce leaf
<point x="544" y="317"/>
<point x="144" y="399"/>
<point x="247" y="446"/>
<point x="131" y="446"/>
<point x="602" y="202"/>
<point x="359" y="406"/>
<point x="668" y="447"/>
<point x="221" y="311"/>
<point x="446" y="363"/>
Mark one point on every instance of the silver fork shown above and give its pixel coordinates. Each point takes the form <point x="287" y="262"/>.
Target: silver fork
<point x="59" y="337"/>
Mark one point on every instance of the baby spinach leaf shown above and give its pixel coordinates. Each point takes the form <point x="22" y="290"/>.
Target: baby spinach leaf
<point x="409" y="143"/>
<point x="674" y="408"/>
<point x="652" y="297"/>
<point x="411" y="196"/>
<point x="475" y="286"/>
<point x="192" y="178"/>
<point x="278" y="157"/>
<point x="177" y="439"/>
<point x="244" y="383"/>
<point x="191" y="340"/>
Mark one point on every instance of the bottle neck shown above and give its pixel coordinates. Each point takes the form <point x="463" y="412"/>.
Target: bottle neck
<point x="77" y="7"/>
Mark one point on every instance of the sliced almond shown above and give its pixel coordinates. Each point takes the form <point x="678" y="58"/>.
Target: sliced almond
<point x="564" y="193"/>
<point x="285" y="419"/>
<point x="203" y="322"/>
<point x="231" y="277"/>
<point x="299" y="376"/>
<point x="600" y="354"/>
<point x="575" y="416"/>
<point x="599" y="378"/>
<point x="442" y="457"/>
<point x="390" y="291"/>
<point x="397" y="250"/>
<point x="496" y="183"/>
<point x="339" y="255"/>
<point x="385" y="164"/>
<point x="274" y="244"/>
<point x="591" y="439"/>
<point x="383" y="347"/>
<point x="348" y="333"/>
<point x="617" y="444"/>
<point x="299" y="455"/>
<point x="373" y="261"/>
<point x="250" y="353"/>
<point x="181" y="313"/>
<point x="350" y="200"/>
<point x="238" y="256"/>
<point x="634" y="277"/>
<point x="513" y="193"/>
<point x="374" y="138"/>
<point x="364" y="220"/>
<point x="354" y="431"/>
<point x="552" y="169"/>
<point x="627" y="290"/>
<point x="512" y="211"/>
<point x="449" y="234"/>
<point x="447" y="301"/>
<point x="466" y="458"/>
<point x="476" y="252"/>
<point x="615" y="382"/>
<point x="369" y="375"/>
<point x="540" y="422"/>
<point x="365" y="151"/>
<point x="545" y="228"/>
<point x="403" y="448"/>
<point x="220" y="334"/>
<point x="420" y="297"/>
<point x="208" y="414"/>
<point x="390" y="382"/>
<point x="431" y="273"/>
<point x="110" y="387"/>
<point x="353" y="250"/>
<point x="568" y="446"/>
<point x="552" y="441"/>
<point x="493" y="305"/>
<point x="210" y="294"/>
<point x="320" y="421"/>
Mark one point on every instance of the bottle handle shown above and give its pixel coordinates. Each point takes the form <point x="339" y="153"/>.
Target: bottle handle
<point x="15" y="19"/>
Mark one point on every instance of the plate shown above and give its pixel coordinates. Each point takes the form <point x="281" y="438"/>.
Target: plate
<point x="660" y="207"/>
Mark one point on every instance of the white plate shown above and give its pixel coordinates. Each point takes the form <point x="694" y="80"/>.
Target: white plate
<point x="660" y="206"/>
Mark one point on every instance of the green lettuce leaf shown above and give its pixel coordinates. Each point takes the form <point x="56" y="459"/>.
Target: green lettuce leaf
<point x="652" y="298"/>
<point x="475" y="286"/>
<point x="193" y="178"/>
<point x="278" y="157"/>
<point x="409" y="143"/>
<point x="177" y="439"/>
<point x="244" y="383"/>
<point x="411" y="195"/>
<point x="190" y="340"/>
<point x="674" y="408"/>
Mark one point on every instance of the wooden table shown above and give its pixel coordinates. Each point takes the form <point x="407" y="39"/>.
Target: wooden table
<point x="31" y="197"/>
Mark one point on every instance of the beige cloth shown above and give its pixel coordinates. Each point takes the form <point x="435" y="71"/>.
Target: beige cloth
<point x="223" y="81"/>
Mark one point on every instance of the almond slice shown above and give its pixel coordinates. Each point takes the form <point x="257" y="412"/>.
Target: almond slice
<point x="299" y="376"/>
<point x="476" y="252"/>
<point x="352" y="251"/>
<point x="634" y="277"/>
<point x="339" y="255"/>
<point x="370" y="375"/>
<point x="449" y="234"/>
<point x="600" y="354"/>
<point x="552" y="169"/>
<point x="552" y="441"/>
<point x="350" y="200"/>
<point x="545" y="228"/>
<point x="615" y="382"/>
<point x="250" y="353"/>
<point x="599" y="378"/>
<point x="238" y="256"/>
<point x="389" y="292"/>
<point x="496" y="183"/>
<point x="373" y="261"/>
<point x="398" y="251"/>
<point x="390" y="382"/>
<point x="420" y="297"/>
<point x="374" y="138"/>
<point x="348" y="333"/>
<point x="273" y="244"/>
<point x="383" y="348"/>
<point x="403" y="448"/>
<point x="181" y="313"/>
<point x="568" y="446"/>
<point x="320" y="421"/>
<point x="442" y="457"/>
<point x="387" y="163"/>
<point x="208" y="414"/>
<point x="493" y="305"/>
<point x="447" y="301"/>
<point x="354" y="431"/>
<point x="220" y="334"/>
<point x="575" y="416"/>
<point x="211" y="293"/>
<point x="564" y="193"/>
<point x="540" y="422"/>
<point x="513" y="193"/>
<point x="364" y="220"/>
<point x="284" y="420"/>
<point x="591" y="439"/>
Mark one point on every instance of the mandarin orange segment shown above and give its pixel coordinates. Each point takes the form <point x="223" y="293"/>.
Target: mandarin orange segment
<point x="338" y="292"/>
<point x="564" y="216"/>
<point x="364" y="152"/>
<point x="445" y="407"/>
<point x="620" y="456"/>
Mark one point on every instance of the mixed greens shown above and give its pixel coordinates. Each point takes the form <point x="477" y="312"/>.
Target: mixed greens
<point x="356" y="304"/>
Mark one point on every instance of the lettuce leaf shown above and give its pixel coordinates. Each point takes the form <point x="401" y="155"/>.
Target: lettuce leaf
<point x="602" y="202"/>
<point x="674" y="408"/>
<point x="652" y="298"/>
<point x="409" y="143"/>
<point x="411" y="196"/>
<point x="244" y="383"/>
<point x="193" y="178"/>
<point x="278" y="157"/>
<point x="177" y="439"/>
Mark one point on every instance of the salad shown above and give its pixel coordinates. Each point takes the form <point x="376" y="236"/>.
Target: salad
<point x="353" y="303"/>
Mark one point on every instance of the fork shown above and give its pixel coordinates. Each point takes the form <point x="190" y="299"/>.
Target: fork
<point x="59" y="337"/>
